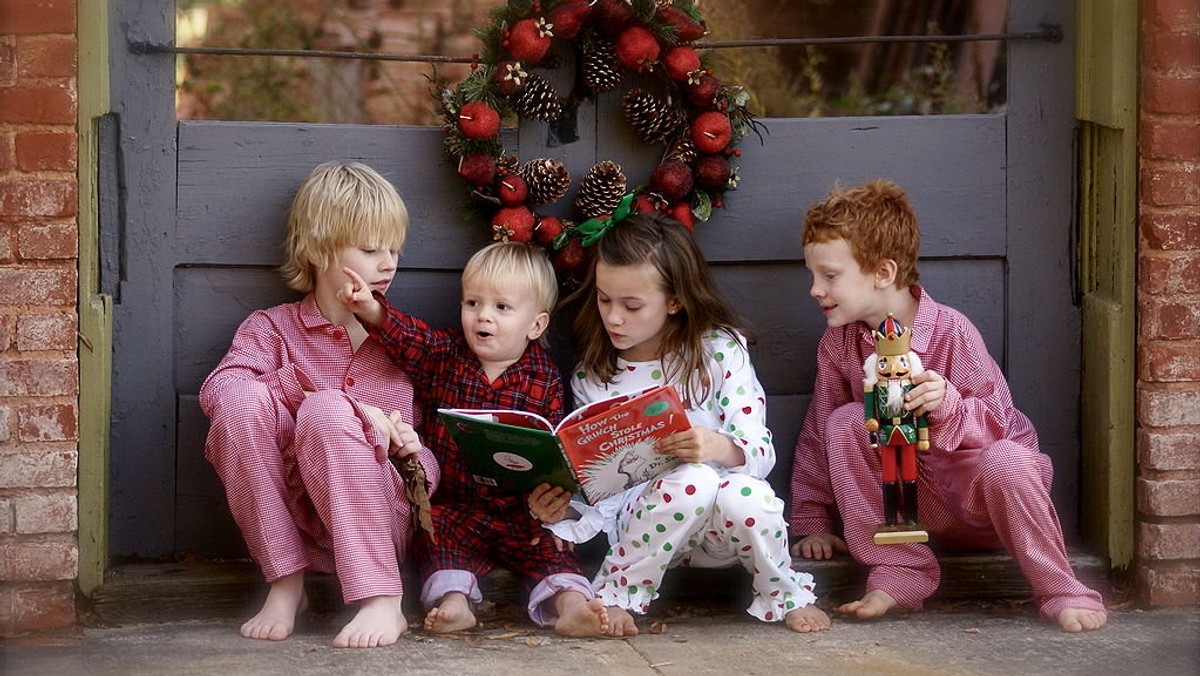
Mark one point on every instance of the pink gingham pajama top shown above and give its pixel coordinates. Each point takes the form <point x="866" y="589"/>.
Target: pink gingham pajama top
<point x="983" y="484"/>
<point x="308" y="479"/>
<point x="697" y="514"/>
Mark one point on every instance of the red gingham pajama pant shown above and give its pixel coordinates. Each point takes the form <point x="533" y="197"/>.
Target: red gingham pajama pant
<point x="998" y="496"/>
<point x="316" y="492"/>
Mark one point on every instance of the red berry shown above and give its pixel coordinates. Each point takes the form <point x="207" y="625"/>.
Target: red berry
<point x="510" y="77"/>
<point x="704" y="93"/>
<point x="611" y="16"/>
<point x="636" y="48"/>
<point x="680" y="61"/>
<point x="671" y="179"/>
<point x="478" y="120"/>
<point x="511" y="189"/>
<point x="547" y="229"/>
<point x="513" y="223"/>
<point x="712" y="172"/>
<point x="687" y="29"/>
<point x="569" y="17"/>
<point x="645" y="204"/>
<point x="569" y="259"/>
<point x="526" y="41"/>
<point x="711" y="132"/>
<point x="682" y="212"/>
<point x="478" y="169"/>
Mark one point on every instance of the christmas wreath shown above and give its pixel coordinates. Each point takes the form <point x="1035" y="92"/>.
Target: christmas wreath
<point x="696" y="120"/>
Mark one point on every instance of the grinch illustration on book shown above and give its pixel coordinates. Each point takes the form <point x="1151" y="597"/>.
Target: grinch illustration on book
<point x="896" y="433"/>
<point x="631" y="465"/>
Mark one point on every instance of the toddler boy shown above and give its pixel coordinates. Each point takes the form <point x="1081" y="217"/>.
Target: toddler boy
<point x="494" y="362"/>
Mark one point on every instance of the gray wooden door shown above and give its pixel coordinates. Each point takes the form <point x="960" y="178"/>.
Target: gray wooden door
<point x="204" y="210"/>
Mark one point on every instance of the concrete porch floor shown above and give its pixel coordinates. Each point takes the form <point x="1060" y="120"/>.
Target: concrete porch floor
<point x="182" y="618"/>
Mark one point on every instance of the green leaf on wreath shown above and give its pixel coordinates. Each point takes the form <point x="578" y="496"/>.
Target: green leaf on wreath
<point x="703" y="207"/>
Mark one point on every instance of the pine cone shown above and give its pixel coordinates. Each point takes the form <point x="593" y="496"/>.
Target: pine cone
<point x="601" y="189"/>
<point x="547" y="180"/>
<point x="538" y="100"/>
<point x="681" y="149"/>
<point x="601" y="71"/>
<point x="652" y="119"/>
<point x="507" y="163"/>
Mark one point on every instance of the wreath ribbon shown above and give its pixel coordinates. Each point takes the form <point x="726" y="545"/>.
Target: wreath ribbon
<point x="593" y="229"/>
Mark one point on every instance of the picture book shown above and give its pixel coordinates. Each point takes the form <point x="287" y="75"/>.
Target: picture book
<point x="598" y="450"/>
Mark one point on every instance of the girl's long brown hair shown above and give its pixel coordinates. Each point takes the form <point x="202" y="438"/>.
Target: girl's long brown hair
<point x="667" y="245"/>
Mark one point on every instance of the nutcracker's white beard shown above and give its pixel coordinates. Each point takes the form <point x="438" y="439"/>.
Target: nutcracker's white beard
<point x="895" y="399"/>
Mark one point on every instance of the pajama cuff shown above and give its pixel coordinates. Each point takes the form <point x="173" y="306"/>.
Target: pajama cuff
<point x="443" y="582"/>
<point x="541" y="599"/>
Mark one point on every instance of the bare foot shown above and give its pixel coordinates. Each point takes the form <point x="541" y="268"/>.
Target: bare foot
<point x="277" y="618"/>
<point x="875" y="604"/>
<point x="580" y="616"/>
<point x="620" y="622"/>
<point x="379" y="622"/>
<point x="1075" y="620"/>
<point x="452" y="613"/>
<point x="807" y="619"/>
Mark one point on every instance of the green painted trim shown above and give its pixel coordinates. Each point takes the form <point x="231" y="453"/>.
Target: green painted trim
<point x="1106" y="105"/>
<point x="95" y="310"/>
<point x="1106" y="62"/>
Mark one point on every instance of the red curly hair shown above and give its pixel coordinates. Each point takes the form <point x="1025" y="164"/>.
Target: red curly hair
<point x="876" y="219"/>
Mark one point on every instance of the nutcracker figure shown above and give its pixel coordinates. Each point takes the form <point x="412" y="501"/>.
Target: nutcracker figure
<point x="896" y="433"/>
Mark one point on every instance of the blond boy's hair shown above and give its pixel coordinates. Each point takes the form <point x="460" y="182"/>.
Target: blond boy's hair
<point x="340" y="204"/>
<point x="519" y="263"/>
<point x="876" y="219"/>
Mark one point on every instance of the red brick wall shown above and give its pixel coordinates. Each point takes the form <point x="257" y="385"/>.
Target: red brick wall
<point x="1168" y="352"/>
<point x="39" y="372"/>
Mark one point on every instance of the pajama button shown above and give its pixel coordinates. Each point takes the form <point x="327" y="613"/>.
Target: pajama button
<point x="349" y="382"/>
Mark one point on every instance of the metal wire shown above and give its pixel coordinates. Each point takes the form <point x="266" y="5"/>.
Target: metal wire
<point x="1047" y="32"/>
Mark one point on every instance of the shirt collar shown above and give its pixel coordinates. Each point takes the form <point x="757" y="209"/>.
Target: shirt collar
<point x="310" y="314"/>
<point x="924" y="323"/>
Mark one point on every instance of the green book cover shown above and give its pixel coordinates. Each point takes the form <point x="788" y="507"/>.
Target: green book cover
<point x="511" y="449"/>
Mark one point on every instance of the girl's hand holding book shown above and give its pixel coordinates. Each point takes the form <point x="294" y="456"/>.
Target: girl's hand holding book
<point x="700" y="444"/>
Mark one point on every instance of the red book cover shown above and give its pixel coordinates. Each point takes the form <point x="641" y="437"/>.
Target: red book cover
<point x="611" y="443"/>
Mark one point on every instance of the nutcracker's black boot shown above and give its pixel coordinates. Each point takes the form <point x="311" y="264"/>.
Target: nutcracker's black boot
<point x="910" y="503"/>
<point x="891" y="494"/>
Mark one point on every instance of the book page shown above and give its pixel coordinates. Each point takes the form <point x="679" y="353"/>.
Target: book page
<point x="517" y="418"/>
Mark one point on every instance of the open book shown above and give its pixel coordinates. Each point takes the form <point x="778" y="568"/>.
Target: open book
<point x="598" y="450"/>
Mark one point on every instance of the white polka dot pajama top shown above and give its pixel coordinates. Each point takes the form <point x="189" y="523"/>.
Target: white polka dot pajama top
<point x="698" y="514"/>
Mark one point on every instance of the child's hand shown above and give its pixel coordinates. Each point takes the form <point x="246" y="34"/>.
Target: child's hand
<point x="928" y="394"/>
<point x="549" y="504"/>
<point x="820" y="546"/>
<point x="356" y="296"/>
<point x="700" y="444"/>
<point x="404" y="439"/>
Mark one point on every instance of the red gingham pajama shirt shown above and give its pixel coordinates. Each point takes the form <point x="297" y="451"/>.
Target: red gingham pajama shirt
<point x="983" y="483"/>
<point x="308" y="480"/>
